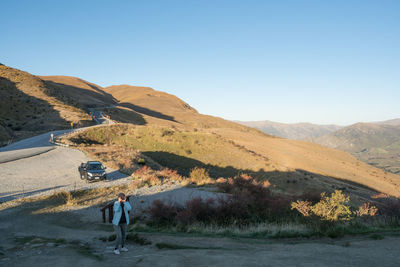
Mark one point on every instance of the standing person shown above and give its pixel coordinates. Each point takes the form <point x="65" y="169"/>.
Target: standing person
<point x="120" y="222"/>
<point x="51" y="138"/>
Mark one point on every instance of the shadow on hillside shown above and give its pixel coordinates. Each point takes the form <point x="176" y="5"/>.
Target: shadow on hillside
<point x="294" y="179"/>
<point x="124" y="115"/>
<point x="86" y="99"/>
<point x="24" y="115"/>
<point x="80" y="97"/>
<point x="148" y="112"/>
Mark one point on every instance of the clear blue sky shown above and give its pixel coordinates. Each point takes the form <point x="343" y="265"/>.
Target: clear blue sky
<point x="288" y="61"/>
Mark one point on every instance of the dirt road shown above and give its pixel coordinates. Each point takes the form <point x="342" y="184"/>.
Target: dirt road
<point x="73" y="240"/>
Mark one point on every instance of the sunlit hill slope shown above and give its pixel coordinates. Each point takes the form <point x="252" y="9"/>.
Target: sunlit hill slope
<point x="171" y="132"/>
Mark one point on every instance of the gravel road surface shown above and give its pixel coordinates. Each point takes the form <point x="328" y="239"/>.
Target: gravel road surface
<point x="35" y="166"/>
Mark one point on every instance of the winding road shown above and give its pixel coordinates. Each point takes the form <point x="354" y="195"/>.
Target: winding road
<point x="35" y="166"/>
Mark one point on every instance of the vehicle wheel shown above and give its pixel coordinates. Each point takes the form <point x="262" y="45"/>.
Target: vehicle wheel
<point x="82" y="177"/>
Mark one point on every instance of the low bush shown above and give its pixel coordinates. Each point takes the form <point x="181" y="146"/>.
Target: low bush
<point x="390" y="207"/>
<point x="200" y="176"/>
<point x="64" y="196"/>
<point x="248" y="202"/>
<point x="333" y="208"/>
<point x="161" y="213"/>
<point x="148" y="176"/>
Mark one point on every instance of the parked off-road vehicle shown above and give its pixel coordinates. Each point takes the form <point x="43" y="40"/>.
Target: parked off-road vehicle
<point x="92" y="170"/>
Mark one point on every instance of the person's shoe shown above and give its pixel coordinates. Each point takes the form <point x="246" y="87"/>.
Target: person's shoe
<point x="116" y="251"/>
<point x="124" y="249"/>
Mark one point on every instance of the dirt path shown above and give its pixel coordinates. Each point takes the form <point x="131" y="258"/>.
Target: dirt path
<point x="71" y="237"/>
<point x="82" y="246"/>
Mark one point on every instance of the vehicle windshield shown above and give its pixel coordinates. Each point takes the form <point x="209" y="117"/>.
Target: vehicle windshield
<point x="95" y="166"/>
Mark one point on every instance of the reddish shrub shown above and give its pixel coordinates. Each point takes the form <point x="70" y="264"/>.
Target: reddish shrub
<point x="161" y="213"/>
<point x="248" y="202"/>
<point x="366" y="210"/>
<point x="221" y="180"/>
<point x="143" y="171"/>
<point x="197" y="210"/>
<point x="380" y="195"/>
<point x="170" y="174"/>
<point x="390" y="207"/>
<point x="304" y="207"/>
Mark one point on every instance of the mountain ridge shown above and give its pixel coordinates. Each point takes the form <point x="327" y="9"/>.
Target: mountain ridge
<point x="296" y="131"/>
<point x="292" y="166"/>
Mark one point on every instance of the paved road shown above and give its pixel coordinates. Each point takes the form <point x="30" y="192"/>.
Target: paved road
<point x="99" y="117"/>
<point x="40" y="144"/>
<point x="29" y="147"/>
<point x="36" y="166"/>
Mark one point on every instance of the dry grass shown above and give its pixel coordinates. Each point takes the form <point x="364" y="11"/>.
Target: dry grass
<point x="28" y="108"/>
<point x="290" y="166"/>
<point x="200" y="176"/>
<point x="65" y="200"/>
<point x="187" y="139"/>
<point x="256" y="230"/>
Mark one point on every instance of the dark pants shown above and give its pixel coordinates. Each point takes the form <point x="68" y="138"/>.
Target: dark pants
<point x="120" y="231"/>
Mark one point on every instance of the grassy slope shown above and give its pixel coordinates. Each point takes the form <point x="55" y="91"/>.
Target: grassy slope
<point x="291" y="166"/>
<point x="224" y="143"/>
<point x="27" y="108"/>
<point x="285" y="156"/>
<point x="376" y="144"/>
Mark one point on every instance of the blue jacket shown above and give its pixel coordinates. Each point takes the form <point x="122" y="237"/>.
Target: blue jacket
<point x="118" y="212"/>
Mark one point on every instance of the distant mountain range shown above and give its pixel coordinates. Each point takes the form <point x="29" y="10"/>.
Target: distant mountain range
<point x="376" y="143"/>
<point x="295" y="131"/>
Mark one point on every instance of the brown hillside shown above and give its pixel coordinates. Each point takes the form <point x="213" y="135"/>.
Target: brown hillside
<point x="77" y="91"/>
<point x="291" y="155"/>
<point x="227" y="146"/>
<point x="160" y="108"/>
<point x="377" y="144"/>
<point x="274" y="154"/>
<point x="27" y="108"/>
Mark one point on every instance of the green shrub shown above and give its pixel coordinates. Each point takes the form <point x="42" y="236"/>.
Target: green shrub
<point x="333" y="208"/>
<point x="199" y="176"/>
